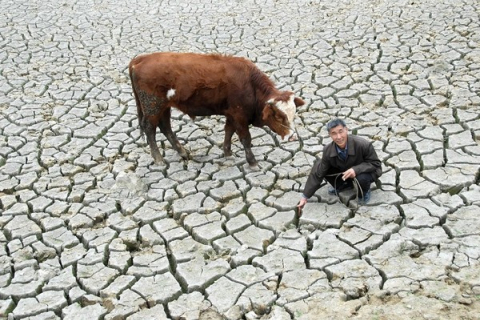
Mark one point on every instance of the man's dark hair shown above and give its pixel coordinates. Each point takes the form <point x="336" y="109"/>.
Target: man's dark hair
<point x="336" y="122"/>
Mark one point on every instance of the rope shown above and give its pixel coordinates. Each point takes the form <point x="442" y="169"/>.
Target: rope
<point x="356" y="185"/>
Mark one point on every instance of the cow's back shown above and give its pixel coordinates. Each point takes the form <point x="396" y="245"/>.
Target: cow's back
<point x="199" y="84"/>
<point x="190" y="69"/>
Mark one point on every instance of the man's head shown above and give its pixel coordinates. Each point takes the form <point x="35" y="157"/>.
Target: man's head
<point x="338" y="132"/>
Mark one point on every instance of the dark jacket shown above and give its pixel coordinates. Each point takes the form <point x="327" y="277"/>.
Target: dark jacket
<point x="361" y="157"/>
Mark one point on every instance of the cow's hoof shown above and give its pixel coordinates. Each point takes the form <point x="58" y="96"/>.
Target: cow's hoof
<point x="183" y="153"/>
<point x="157" y="158"/>
<point x="254" y="167"/>
<point x="227" y="152"/>
<point x="253" y="164"/>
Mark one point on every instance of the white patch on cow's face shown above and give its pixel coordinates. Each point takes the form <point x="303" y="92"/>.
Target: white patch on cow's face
<point x="170" y="94"/>
<point x="289" y="108"/>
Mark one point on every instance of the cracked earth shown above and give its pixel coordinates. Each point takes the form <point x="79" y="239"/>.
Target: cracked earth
<point x="92" y="229"/>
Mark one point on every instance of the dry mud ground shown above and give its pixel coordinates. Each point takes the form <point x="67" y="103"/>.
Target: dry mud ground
<point x="92" y="229"/>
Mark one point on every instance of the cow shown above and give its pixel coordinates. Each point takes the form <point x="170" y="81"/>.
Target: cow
<point x="204" y="85"/>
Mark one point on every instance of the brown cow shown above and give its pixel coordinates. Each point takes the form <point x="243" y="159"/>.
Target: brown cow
<point x="203" y="85"/>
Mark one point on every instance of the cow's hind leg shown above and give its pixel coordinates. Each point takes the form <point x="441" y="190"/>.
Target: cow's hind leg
<point x="140" y="115"/>
<point x="148" y="107"/>
<point x="166" y="128"/>
<point x="150" y="133"/>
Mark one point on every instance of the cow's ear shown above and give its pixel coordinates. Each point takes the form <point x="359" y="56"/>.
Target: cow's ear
<point x="298" y="101"/>
<point x="268" y="111"/>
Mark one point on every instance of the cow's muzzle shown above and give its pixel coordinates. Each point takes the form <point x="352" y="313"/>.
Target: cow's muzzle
<point x="291" y="136"/>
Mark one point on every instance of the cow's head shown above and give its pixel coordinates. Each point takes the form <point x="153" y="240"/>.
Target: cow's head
<point x="279" y="114"/>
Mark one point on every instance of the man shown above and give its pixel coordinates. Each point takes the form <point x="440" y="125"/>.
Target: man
<point x="345" y="158"/>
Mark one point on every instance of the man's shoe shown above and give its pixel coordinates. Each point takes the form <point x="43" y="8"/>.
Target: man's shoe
<point x="366" y="197"/>
<point x="332" y="191"/>
<point x="340" y="187"/>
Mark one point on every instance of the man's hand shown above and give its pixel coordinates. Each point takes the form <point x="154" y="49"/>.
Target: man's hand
<point x="349" y="174"/>
<point x="301" y="204"/>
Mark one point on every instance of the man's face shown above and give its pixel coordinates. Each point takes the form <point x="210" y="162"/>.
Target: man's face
<point x="339" y="135"/>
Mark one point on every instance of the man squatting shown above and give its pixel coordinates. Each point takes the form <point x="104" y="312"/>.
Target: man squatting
<point x="346" y="157"/>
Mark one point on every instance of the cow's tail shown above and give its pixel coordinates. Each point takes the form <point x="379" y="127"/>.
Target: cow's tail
<point x="141" y="118"/>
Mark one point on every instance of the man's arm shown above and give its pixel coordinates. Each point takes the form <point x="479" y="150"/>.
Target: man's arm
<point x="314" y="180"/>
<point x="317" y="174"/>
<point x="370" y="162"/>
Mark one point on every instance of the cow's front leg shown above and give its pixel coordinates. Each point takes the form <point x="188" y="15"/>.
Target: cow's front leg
<point x="166" y="128"/>
<point x="246" y="140"/>
<point x="227" y="142"/>
<point x="150" y="133"/>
